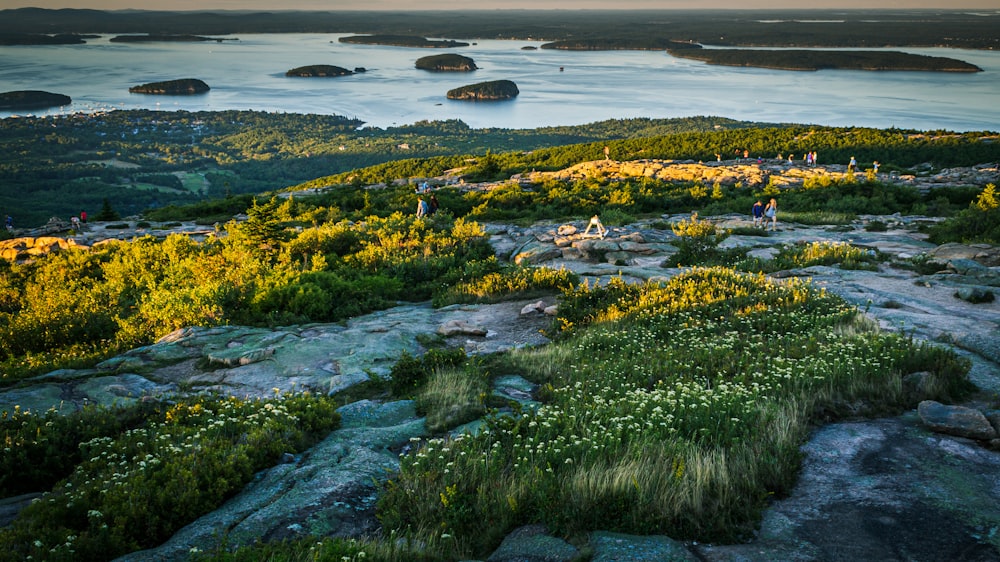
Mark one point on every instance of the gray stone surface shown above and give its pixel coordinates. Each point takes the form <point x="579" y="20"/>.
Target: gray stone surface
<point x="532" y="543"/>
<point x="618" y="547"/>
<point x="884" y="490"/>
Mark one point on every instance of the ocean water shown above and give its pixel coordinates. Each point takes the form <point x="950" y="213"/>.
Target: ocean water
<point x="557" y="87"/>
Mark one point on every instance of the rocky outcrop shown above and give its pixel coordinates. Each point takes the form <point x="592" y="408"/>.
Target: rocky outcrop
<point x="882" y="489"/>
<point x="23" y="249"/>
<point x="181" y="87"/>
<point x="486" y="91"/>
<point x="318" y="71"/>
<point x="956" y="420"/>
<point x="780" y="173"/>
<point x="31" y="99"/>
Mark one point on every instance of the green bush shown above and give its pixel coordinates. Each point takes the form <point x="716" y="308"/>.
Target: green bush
<point x="510" y="282"/>
<point x="410" y="373"/>
<point x="697" y="241"/>
<point x="978" y="223"/>
<point x="133" y="489"/>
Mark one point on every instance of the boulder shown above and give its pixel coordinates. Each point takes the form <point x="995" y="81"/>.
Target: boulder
<point x="533" y="308"/>
<point x="532" y="543"/>
<point x="536" y="252"/>
<point x="460" y="328"/>
<point x="956" y="420"/>
<point x="985" y="254"/>
<point x="614" y="547"/>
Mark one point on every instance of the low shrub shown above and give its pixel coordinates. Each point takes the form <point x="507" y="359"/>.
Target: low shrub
<point x="980" y="222"/>
<point x="134" y="489"/>
<point x="508" y="283"/>
<point x="410" y="373"/>
<point x="822" y="253"/>
<point x="697" y="241"/>
<point x="876" y="226"/>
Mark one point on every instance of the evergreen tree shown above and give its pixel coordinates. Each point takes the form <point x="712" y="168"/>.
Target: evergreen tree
<point x="107" y="213"/>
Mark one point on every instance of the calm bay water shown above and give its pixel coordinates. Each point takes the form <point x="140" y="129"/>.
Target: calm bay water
<point x="248" y="73"/>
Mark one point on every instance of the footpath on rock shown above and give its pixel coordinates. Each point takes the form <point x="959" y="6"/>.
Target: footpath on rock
<point x="921" y="486"/>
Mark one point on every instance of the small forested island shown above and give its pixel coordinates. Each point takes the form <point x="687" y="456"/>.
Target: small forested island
<point x="157" y="37"/>
<point x="637" y="43"/>
<point x="31" y="99"/>
<point x="402" y="41"/>
<point x="447" y="63"/>
<point x="318" y="71"/>
<point x="181" y="87"/>
<point x="43" y="39"/>
<point x="494" y="90"/>
<point x="806" y="59"/>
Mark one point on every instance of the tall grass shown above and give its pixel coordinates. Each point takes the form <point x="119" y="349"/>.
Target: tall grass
<point x="672" y="409"/>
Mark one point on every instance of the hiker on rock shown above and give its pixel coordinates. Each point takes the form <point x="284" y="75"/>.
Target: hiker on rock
<point x="758" y="214"/>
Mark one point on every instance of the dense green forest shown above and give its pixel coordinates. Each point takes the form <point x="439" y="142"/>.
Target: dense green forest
<point x="56" y="166"/>
<point x="775" y="28"/>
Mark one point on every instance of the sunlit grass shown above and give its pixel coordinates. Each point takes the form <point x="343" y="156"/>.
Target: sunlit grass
<point x="674" y="409"/>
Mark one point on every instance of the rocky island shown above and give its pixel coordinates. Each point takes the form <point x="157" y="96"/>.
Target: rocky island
<point x="446" y="63"/>
<point x="43" y="39"/>
<point x="318" y="71"/>
<point x="486" y="91"/>
<point x="181" y="87"/>
<point x="806" y="59"/>
<point x="31" y="99"/>
<point x="154" y="37"/>
<point x="402" y="41"/>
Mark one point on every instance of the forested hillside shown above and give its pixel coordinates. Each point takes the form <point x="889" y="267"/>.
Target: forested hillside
<point x="142" y="160"/>
<point x="58" y="166"/>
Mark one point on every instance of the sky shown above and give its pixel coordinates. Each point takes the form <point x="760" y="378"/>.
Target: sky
<point x="410" y="5"/>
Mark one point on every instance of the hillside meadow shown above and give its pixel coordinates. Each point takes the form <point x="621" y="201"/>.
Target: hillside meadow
<point x="671" y="408"/>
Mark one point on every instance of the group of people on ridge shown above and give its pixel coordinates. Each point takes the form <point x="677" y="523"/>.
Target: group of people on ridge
<point x="426" y="207"/>
<point x="763" y="214"/>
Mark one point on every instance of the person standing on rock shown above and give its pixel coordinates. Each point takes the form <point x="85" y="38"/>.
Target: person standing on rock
<point x="607" y="153"/>
<point x="771" y="212"/>
<point x="758" y="214"/>
<point x="83" y="217"/>
<point x="852" y="165"/>
<point x="8" y="223"/>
